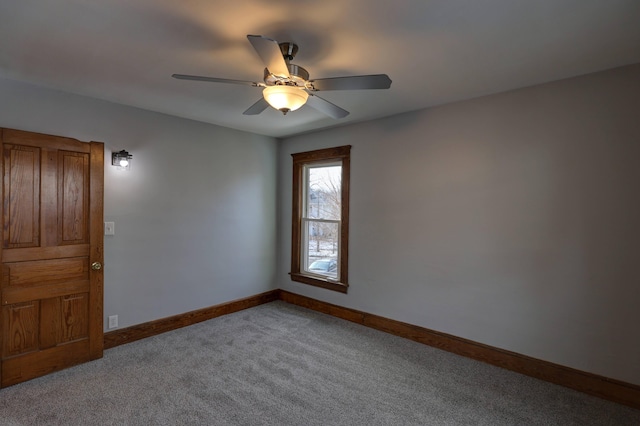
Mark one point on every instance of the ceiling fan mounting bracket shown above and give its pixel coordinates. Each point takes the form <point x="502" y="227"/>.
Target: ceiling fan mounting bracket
<point x="289" y="50"/>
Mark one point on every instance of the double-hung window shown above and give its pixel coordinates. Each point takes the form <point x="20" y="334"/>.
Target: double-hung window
<point x="320" y="223"/>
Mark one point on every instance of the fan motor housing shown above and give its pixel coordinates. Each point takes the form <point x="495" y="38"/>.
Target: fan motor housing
<point x="298" y="76"/>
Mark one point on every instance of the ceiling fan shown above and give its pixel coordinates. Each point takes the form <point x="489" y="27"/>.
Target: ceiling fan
<point x="287" y="86"/>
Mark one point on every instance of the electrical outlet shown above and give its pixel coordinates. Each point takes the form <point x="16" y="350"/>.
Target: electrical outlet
<point x="113" y="321"/>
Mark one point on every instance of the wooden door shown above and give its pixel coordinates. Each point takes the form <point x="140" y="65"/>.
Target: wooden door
<point x="52" y="234"/>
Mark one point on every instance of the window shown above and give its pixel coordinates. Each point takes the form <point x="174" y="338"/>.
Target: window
<point x="320" y="223"/>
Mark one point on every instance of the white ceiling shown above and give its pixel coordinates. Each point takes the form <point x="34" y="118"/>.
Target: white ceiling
<point x="435" y="51"/>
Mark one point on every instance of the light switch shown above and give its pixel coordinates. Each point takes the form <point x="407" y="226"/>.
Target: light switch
<point x="109" y="228"/>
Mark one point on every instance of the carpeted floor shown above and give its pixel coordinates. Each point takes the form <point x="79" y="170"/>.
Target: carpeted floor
<point x="278" y="364"/>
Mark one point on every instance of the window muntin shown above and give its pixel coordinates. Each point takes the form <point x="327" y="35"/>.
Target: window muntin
<point x="320" y="217"/>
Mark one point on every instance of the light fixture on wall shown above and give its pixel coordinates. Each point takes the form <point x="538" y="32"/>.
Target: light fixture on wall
<point x="285" y="98"/>
<point x="121" y="159"/>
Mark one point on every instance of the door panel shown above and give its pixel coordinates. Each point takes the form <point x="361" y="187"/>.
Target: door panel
<point x="42" y="272"/>
<point x="73" y="197"/>
<point x="21" y="322"/>
<point x="22" y="196"/>
<point x="52" y="215"/>
<point x="74" y="317"/>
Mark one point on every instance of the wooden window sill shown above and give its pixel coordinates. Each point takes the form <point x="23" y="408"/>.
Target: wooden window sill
<point x="319" y="282"/>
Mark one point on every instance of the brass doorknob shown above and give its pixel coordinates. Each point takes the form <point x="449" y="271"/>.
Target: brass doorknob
<point x="96" y="266"/>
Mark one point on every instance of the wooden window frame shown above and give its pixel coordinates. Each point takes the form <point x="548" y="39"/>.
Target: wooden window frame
<point x="317" y="157"/>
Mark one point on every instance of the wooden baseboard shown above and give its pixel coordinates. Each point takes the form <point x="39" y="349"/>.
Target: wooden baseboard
<point x="148" y="329"/>
<point x="592" y="384"/>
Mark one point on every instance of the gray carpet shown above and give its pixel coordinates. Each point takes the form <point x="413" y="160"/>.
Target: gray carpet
<point x="279" y="364"/>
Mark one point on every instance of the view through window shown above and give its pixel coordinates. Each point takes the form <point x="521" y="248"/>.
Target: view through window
<point x="321" y="219"/>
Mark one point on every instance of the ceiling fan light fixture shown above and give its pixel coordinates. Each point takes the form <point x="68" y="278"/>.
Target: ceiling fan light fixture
<point x="286" y="86"/>
<point x="285" y="98"/>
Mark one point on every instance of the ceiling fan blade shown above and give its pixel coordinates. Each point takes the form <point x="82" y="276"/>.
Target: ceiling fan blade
<point x="216" y="80"/>
<point x="270" y="53"/>
<point x="257" y="108"/>
<point x="356" y="82"/>
<point x="326" y="107"/>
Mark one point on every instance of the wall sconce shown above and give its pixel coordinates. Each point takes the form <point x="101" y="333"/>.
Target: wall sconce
<point x="121" y="159"/>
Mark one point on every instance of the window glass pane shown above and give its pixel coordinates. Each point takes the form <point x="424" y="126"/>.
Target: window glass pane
<point x="322" y="248"/>
<point x="323" y="187"/>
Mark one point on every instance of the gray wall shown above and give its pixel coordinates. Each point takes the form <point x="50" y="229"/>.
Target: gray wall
<point x="511" y="220"/>
<point x="194" y="218"/>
